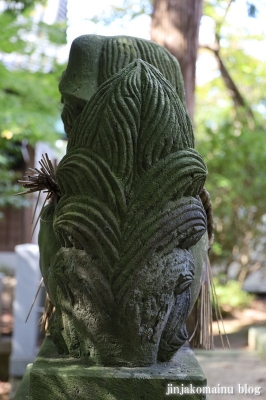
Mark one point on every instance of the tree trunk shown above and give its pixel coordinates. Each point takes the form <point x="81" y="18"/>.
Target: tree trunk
<point x="175" y="25"/>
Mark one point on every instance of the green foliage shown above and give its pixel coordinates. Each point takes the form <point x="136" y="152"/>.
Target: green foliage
<point x="55" y="33"/>
<point x="232" y="141"/>
<point x="9" y="39"/>
<point x="30" y="102"/>
<point x="230" y="296"/>
<point x="8" y="188"/>
<point x="235" y="155"/>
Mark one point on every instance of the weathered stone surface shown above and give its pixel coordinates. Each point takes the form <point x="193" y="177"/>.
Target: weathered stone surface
<point x="119" y="267"/>
<point x="23" y="390"/>
<point x="94" y="59"/>
<point x="56" y="378"/>
<point x="128" y="213"/>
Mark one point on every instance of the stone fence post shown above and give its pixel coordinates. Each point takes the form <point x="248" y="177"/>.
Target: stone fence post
<point x="25" y="335"/>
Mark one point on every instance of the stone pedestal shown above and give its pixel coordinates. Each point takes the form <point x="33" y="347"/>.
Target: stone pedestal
<point x="55" y="378"/>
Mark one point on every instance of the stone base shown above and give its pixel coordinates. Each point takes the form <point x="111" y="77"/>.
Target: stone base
<point x="257" y="339"/>
<point x="55" y="378"/>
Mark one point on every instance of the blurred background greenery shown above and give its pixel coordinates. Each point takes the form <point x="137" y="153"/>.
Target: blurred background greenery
<point x="30" y="103"/>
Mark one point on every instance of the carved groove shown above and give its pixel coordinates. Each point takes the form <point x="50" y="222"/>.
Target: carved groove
<point x="119" y="51"/>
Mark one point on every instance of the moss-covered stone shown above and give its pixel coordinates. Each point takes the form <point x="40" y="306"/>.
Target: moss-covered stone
<point x="56" y="378"/>
<point x="128" y="215"/>
<point x="23" y="389"/>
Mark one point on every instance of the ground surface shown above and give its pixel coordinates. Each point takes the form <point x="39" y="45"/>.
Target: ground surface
<point x="238" y="369"/>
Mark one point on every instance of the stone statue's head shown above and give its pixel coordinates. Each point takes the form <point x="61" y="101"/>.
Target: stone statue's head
<point x="94" y="59"/>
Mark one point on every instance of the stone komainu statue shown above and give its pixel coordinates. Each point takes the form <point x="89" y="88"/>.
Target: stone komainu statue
<point x="117" y="245"/>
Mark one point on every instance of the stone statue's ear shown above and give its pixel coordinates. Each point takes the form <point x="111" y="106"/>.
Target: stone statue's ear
<point x="80" y="79"/>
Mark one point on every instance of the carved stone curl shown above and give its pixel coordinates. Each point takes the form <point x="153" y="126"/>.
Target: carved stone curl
<point x="116" y="249"/>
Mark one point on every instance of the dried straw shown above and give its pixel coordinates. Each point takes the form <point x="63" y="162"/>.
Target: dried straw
<point x="42" y="179"/>
<point x="49" y="309"/>
<point x="207" y="301"/>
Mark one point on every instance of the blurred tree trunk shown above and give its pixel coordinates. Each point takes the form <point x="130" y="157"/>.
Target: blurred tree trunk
<point x="175" y="25"/>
